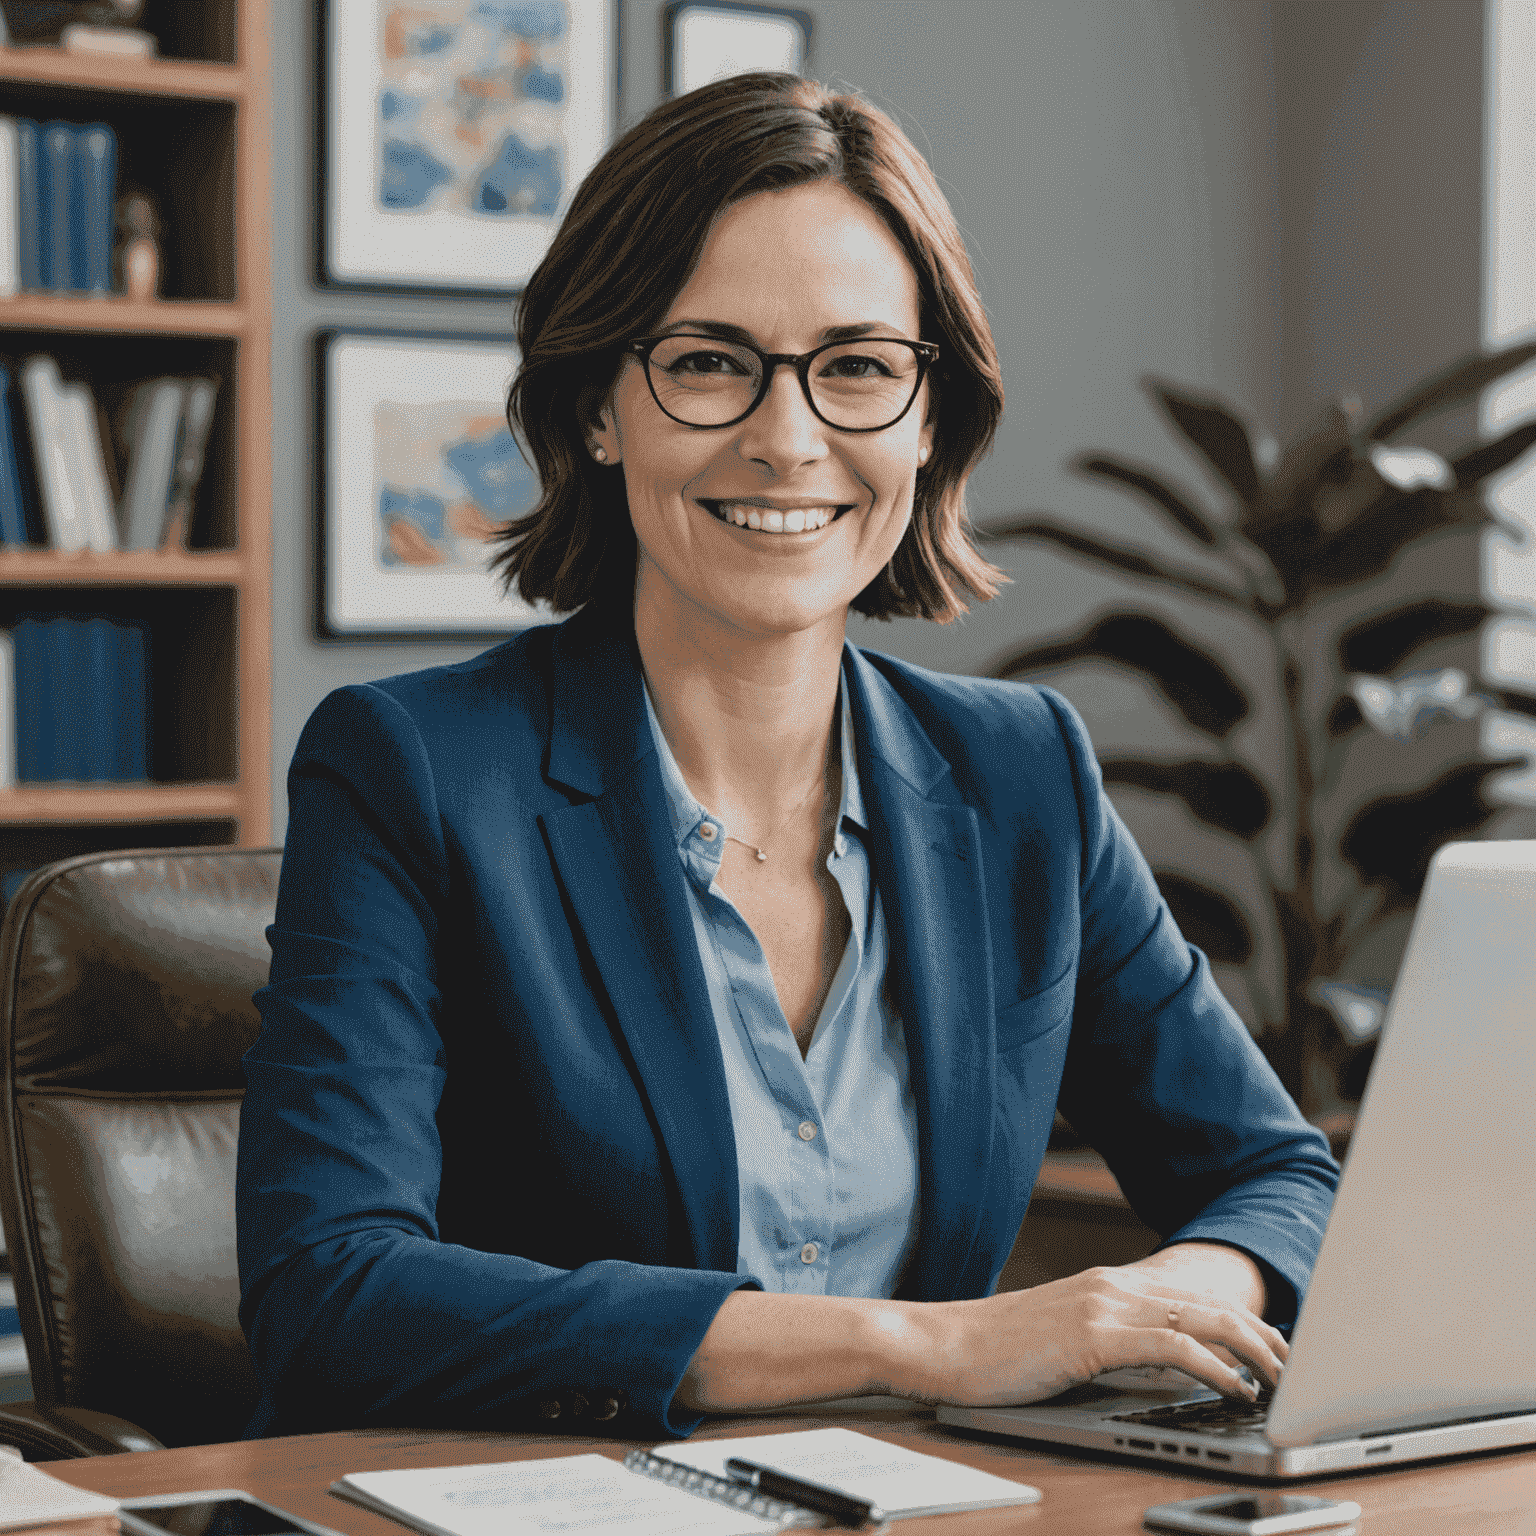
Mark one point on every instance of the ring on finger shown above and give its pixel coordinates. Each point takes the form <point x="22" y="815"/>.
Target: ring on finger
<point x="1173" y="1318"/>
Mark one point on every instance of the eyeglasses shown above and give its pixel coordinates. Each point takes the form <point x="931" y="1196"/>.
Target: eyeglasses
<point x="853" y="386"/>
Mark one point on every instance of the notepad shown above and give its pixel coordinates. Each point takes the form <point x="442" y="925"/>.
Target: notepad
<point x="30" y="1496"/>
<point x="676" y="1490"/>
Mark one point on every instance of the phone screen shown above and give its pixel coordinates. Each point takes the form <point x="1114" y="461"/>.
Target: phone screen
<point x="216" y="1517"/>
<point x="1263" y="1506"/>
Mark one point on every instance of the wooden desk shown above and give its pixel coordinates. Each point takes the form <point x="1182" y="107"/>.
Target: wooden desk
<point x="1488" y="1495"/>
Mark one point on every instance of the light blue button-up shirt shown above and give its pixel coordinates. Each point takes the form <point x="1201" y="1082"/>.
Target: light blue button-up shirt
<point x="826" y="1146"/>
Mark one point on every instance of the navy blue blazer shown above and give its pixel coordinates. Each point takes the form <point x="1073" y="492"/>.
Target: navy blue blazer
<point x="485" y="1153"/>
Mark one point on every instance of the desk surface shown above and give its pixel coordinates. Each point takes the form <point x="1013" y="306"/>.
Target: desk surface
<point x="1489" y="1495"/>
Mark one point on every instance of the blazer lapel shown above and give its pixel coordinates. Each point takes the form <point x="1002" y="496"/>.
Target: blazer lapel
<point x="617" y="861"/>
<point x="928" y="868"/>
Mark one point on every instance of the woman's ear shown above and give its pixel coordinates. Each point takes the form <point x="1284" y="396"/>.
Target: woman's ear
<point x="598" y="434"/>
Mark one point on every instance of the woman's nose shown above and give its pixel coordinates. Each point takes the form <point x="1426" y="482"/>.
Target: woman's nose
<point x="783" y="432"/>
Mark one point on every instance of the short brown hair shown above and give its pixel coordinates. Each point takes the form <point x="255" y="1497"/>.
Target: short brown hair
<point x="631" y="240"/>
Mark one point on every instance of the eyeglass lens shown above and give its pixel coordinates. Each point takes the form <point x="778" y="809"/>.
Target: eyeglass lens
<point x="705" y="382"/>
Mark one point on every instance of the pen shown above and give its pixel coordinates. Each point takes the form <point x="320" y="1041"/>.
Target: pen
<point x="825" y="1501"/>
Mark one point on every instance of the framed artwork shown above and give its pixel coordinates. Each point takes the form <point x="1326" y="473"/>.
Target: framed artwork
<point x="456" y="132"/>
<point x="704" y="40"/>
<point x="417" y="470"/>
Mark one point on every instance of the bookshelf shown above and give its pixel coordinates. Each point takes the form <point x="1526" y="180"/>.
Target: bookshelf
<point x="193" y="129"/>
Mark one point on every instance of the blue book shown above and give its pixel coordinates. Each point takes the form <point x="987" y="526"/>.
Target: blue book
<point x="133" y="712"/>
<point x="26" y="467"/>
<point x="13" y="516"/>
<point x="54" y="221"/>
<point x="93" y="194"/>
<point x="103" y="687"/>
<point x="29" y="202"/>
<point x="34" y="742"/>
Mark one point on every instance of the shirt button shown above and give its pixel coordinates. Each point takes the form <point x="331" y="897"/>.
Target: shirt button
<point x="808" y="1253"/>
<point x="807" y="1131"/>
<point x="840" y="846"/>
<point x="707" y="830"/>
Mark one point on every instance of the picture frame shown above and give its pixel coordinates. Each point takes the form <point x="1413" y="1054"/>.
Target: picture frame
<point x="416" y="466"/>
<point x="455" y="133"/>
<point x="704" y="40"/>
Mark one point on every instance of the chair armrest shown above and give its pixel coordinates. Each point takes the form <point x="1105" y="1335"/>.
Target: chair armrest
<point x="57" y="1433"/>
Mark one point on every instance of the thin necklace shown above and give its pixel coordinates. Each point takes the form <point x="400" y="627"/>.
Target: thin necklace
<point x="757" y="848"/>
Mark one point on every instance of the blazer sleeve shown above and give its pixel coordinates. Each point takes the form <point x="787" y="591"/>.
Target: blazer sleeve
<point x="1163" y="1078"/>
<point x="355" y="1311"/>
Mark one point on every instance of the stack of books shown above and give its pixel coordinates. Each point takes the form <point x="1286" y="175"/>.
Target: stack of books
<point x="58" y="188"/>
<point x="74" y="700"/>
<point x="73" y="480"/>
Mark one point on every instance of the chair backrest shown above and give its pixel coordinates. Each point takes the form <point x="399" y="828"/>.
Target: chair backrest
<point x="126" y="1003"/>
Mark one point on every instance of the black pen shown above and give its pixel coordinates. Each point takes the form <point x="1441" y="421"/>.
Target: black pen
<point x="825" y="1501"/>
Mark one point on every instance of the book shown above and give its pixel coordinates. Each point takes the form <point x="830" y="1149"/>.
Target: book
<point x="10" y="208"/>
<point x="132" y="708"/>
<point x="34" y="737"/>
<point x="196" y="423"/>
<point x="114" y="42"/>
<point x="103" y="686"/>
<point x="660" y="1491"/>
<point x="84" y="452"/>
<point x="43" y="390"/>
<point x="55" y="214"/>
<point x="93" y="197"/>
<point x="68" y="672"/>
<point x="152" y="430"/>
<point x="13" y="510"/>
<point x="7" y="711"/>
<point x="29" y="239"/>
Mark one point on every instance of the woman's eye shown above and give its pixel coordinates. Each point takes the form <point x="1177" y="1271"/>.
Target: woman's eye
<point x="855" y="367"/>
<point x="704" y="362"/>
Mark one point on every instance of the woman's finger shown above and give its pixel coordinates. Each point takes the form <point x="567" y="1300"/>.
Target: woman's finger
<point x="1160" y="1346"/>
<point x="1248" y="1339"/>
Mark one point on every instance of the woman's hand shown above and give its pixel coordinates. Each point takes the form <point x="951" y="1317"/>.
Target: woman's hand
<point x="1022" y="1346"/>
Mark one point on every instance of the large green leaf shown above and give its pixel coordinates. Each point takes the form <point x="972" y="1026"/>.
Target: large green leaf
<point x="1208" y="918"/>
<point x="1391" y="841"/>
<point x="1145" y="481"/>
<point x="1367" y="546"/>
<point x="1380" y="644"/>
<point x="1215" y="430"/>
<point x="1223" y="795"/>
<point x="1189" y="677"/>
<point x="1463" y="379"/>
<point x="1031" y="526"/>
<point x="1474" y="467"/>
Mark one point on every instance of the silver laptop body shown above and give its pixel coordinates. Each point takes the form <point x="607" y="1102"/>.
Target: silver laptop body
<point x="1417" y="1337"/>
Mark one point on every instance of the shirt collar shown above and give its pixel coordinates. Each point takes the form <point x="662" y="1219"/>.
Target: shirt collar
<point x="687" y="813"/>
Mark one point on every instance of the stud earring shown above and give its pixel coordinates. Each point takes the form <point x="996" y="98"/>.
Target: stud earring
<point x="922" y="454"/>
<point x="600" y="454"/>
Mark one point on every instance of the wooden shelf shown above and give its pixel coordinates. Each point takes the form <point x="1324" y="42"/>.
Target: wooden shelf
<point x="139" y="568"/>
<point x="33" y="804"/>
<point x="160" y="317"/>
<point x="138" y="77"/>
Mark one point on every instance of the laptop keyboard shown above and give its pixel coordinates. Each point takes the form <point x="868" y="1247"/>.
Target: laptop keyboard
<point x="1224" y="1416"/>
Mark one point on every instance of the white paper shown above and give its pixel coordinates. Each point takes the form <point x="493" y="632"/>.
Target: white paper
<point x="566" y="1495"/>
<point x="900" y="1481"/>
<point x="29" y="1496"/>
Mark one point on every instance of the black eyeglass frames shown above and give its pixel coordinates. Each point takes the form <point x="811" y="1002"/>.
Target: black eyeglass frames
<point x="863" y="385"/>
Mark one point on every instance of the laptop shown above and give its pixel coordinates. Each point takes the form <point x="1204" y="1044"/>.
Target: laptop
<point x="1416" y="1337"/>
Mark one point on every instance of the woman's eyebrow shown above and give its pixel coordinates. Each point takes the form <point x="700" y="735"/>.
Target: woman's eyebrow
<point x="728" y="332"/>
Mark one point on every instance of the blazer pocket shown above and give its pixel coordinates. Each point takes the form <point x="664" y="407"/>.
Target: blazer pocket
<point x="1036" y="1015"/>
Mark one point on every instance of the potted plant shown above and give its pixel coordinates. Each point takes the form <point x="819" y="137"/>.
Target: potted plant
<point x="1304" y="555"/>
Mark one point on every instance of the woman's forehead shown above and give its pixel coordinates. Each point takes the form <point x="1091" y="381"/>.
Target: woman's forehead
<point x="815" y="256"/>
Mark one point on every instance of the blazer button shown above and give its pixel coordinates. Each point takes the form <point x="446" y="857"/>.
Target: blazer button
<point x="606" y="1409"/>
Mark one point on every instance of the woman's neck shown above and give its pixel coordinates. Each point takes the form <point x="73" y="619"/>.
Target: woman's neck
<point x="748" y="717"/>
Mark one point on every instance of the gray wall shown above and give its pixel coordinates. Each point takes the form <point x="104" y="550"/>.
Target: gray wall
<point x="1135" y="200"/>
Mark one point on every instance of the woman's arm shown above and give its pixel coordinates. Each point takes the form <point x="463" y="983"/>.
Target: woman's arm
<point x="765" y="1350"/>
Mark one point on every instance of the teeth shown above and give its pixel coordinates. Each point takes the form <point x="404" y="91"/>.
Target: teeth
<point x="768" y="521"/>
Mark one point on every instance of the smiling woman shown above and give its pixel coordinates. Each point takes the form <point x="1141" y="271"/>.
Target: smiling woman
<point x="761" y="1108"/>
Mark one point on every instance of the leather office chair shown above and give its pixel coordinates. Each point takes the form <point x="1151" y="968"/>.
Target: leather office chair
<point x="125" y="1006"/>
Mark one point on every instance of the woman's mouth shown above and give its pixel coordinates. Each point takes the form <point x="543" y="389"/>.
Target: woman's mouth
<point x="759" y="519"/>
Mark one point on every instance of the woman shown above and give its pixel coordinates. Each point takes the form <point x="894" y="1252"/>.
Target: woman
<point x="668" y="1007"/>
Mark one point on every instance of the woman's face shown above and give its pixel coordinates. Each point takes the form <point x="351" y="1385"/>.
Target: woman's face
<point x="789" y="269"/>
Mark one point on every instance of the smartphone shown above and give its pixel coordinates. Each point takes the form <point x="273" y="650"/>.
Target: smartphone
<point x="1252" y="1514"/>
<point x="212" y="1512"/>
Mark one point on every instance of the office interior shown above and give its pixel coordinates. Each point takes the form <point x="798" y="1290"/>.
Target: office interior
<point x="1268" y="202"/>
